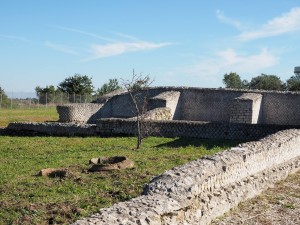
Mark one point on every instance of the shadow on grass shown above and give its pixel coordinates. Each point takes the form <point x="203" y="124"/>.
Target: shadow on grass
<point x="196" y="142"/>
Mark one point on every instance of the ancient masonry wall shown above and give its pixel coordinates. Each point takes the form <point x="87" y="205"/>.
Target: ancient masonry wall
<point x="166" y="99"/>
<point x="195" y="129"/>
<point x="202" y="190"/>
<point x="55" y="129"/>
<point x="199" y="104"/>
<point x="281" y="108"/>
<point x="166" y="128"/>
<point x="77" y="112"/>
<point x="246" y="109"/>
<point x="162" y="113"/>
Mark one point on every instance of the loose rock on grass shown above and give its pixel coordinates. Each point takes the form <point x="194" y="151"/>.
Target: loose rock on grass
<point x="110" y="163"/>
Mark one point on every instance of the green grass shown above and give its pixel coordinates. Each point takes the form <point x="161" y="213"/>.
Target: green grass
<point x="27" y="115"/>
<point x="29" y="199"/>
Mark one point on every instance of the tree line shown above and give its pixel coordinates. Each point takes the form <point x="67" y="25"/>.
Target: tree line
<point x="75" y="85"/>
<point x="262" y="82"/>
<point x="82" y="85"/>
<point x="4" y="100"/>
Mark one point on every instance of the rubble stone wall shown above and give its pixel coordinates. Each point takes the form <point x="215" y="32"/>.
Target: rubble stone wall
<point x="166" y="128"/>
<point x="195" y="129"/>
<point x="162" y="113"/>
<point x="55" y="129"/>
<point x="202" y="190"/>
<point x="167" y="99"/>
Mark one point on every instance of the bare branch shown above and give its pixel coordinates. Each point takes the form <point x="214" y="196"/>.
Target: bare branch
<point x="137" y="88"/>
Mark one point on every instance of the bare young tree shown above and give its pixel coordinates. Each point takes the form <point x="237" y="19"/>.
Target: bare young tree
<point x="137" y="88"/>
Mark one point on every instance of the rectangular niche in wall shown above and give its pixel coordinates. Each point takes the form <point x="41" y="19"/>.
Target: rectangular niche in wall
<point x="246" y="109"/>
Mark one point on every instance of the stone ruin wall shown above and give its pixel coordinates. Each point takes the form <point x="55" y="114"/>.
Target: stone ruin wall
<point x="165" y="128"/>
<point x="53" y="129"/>
<point x="77" y="113"/>
<point x="281" y="108"/>
<point x="190" y="129"/>
<point x="200" y="191"/>
<point x="246" y="109"/>
<point x="199" y="104"/>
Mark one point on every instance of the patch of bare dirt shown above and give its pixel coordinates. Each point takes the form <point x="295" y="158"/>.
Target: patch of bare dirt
<point x="276" y="206"/>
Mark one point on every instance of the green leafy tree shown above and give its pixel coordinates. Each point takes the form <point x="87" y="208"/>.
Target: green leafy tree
<point x="48" y="89"/>
<point x="267" y="82"/>
<point x="2" y="92"/>
<point x="233" y="80"/>
<point x="112" y="85"/>
<point x="48" y="94"/>
<point x="4" y="100"/>
<point x="77" y="84"/>
<point x="293" y="84"/>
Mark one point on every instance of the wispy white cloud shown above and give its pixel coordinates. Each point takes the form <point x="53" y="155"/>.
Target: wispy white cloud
<point x="86" y="33"/>
<point x="230" y="59"/>
<point x="113" y="47"/>
<point x="61" y="48"/>
<point x="225" y="19"/>
<point x="108" y="50"/>
<point x="209" y="72"/>
<point x="127" y="36"/>
<point x="286" y="23"/>
<point x="17" y="38"/>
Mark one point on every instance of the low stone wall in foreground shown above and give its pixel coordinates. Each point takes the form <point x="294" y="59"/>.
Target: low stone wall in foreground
<point x="202" y="190"/>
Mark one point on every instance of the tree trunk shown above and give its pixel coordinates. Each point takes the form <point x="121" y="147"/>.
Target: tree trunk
<point x="139" y="133"/>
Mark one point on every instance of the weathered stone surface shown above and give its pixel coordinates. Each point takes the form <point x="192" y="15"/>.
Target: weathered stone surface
<point x="56" y="129"/>
<point x="169" y="128"/>
<point x="79" y="112"/>
<point x="110" y="163"/>
<point x="199" y="191"/>
<point x="53" y="172"/>
<point x="159" y="114"/>
<point x="94" y="161"/>
<point x="196" y="129"/>
<point x="168" y="99"/>
<point x="196" y="104"/>
<point x="246" y="109"/>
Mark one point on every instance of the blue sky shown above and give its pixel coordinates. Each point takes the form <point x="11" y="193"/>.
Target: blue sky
<point x="179" y="43"/>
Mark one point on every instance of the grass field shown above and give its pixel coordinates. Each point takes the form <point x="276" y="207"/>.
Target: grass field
<point x="27" y="115"/>
<point x="29" y="199"/>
